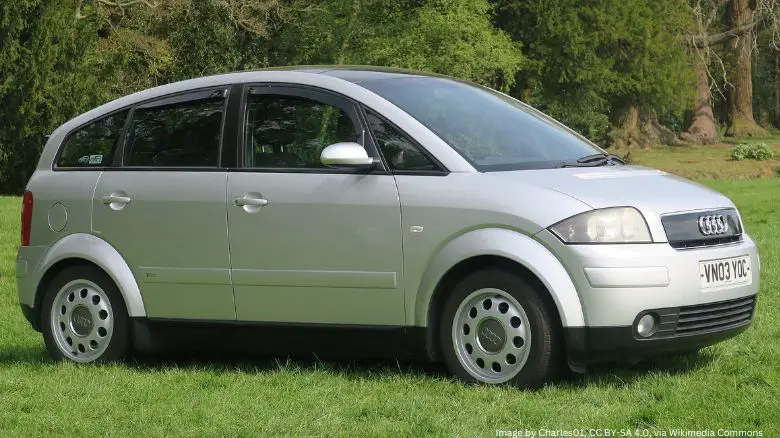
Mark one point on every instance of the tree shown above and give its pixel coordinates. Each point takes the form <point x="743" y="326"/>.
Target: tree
<point x="734" y="24"/>
<point x="740" y="90"/>
<point x="454" y="37"/>
<point x="606" y="67"/>
<point x="40" y="81"/>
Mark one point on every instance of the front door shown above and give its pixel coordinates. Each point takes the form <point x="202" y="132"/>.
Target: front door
<point x="310" y="244"/>
<point x="164" y="208"/>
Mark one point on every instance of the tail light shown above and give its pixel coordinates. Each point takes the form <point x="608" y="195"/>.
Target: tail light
<point x="27" y="209"/>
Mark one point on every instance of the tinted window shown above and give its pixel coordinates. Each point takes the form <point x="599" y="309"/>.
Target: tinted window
<point x="400" y="152"/>
<point x="93" y="145"/>
<point x="181" y="135"/>
<point x="492" y="131"/>
<point x="291" y="131"/>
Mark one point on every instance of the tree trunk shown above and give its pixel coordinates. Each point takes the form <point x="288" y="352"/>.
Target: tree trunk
<point x="634" y="127"/>
<point x="740" y="92"/>
<point x="702" y="129"/>
<point x="776" y="92"/>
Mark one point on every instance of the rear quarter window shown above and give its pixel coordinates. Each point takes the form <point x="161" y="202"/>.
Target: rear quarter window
<point x="92" y="145"/>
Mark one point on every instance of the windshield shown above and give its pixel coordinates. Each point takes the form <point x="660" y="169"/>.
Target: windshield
<point x="492" y="131"/>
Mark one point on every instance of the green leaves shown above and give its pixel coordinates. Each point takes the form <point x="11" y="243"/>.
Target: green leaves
<point x="453" y="37"/>
<point x="755" y="151"/>
<point x="587" y="58"/>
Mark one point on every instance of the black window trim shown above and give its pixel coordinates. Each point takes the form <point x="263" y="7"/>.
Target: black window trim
<point x="442" y="169"/>
<point x="194" y="94"/>
<point x="56" y="168"/>
<point x="350" y="106"/>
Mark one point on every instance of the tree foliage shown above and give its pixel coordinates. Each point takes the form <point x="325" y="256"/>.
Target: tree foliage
<point x="586" y="59"/>
<point x="598" y="66"/>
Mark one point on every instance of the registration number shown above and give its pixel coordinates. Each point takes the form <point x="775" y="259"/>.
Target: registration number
<point x="725" y="272"/>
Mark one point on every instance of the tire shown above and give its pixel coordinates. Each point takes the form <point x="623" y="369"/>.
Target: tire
<point x="496" y="328"/>
<point x="84" y="318"/>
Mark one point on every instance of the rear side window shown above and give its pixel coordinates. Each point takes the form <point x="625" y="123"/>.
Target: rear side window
<point x="93" y="145"/>
<point x="180" y="135"/>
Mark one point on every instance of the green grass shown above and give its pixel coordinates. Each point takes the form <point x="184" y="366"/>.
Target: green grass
<point x="732" y="385"/>
<point x="710" y="162"/>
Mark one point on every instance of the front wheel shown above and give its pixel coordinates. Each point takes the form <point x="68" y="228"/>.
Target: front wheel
<point x="496" y="329"/>
<point x="84" y="317"/>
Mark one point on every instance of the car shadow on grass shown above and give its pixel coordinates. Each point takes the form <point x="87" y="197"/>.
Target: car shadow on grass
<point x="609" y="374"/>
<point x="612" y="374"/>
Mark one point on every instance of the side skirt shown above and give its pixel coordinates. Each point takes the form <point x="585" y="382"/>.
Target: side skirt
<point x="324" y="340"/>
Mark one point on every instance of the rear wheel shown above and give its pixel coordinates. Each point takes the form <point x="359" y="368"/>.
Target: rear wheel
<point x="84" y="317"/>
<point x="496" y="329"/>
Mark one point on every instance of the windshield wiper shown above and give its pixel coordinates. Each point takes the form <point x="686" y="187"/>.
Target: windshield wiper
<point x="594" y="160"/>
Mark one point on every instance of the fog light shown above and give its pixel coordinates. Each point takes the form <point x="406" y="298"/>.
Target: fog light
<point x="646" y="325"/>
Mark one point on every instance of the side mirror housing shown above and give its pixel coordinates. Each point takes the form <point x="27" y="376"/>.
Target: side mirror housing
<point x="348" y="154"/>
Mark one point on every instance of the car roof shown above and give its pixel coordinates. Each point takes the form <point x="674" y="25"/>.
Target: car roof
<point x="355" y="73"/>
<point x="324" y="75"/>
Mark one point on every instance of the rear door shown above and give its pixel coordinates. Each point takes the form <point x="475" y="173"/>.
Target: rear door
<point x="163" y="208"/>
<point x="315" y="245"/>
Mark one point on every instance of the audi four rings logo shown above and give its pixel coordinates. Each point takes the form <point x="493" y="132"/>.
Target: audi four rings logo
<point x="713" y="224"/>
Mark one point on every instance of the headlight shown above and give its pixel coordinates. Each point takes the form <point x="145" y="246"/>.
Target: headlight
<point x="610" y="225"/>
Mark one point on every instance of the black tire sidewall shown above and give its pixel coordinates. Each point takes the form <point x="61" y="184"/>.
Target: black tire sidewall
<point x="118" y="346"/>
<point x="543" y="359"/>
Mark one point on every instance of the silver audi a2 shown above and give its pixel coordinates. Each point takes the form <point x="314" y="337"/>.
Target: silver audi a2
<point x="319" y="209"/>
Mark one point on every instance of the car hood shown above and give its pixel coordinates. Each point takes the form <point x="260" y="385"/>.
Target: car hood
<point x="635" y="186"/>
<point x="653" y="192"/>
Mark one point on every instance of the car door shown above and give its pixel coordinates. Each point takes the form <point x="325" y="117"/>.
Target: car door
<point x="311" y="244"/>
<point x="163" y="207"/>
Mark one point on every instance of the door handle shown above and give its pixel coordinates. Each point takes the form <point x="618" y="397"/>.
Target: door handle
<point x="113" y="199"/>
<point x="254" y="202"/>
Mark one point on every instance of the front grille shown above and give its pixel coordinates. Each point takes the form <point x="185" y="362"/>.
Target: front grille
<point x="684" y="231"/>
<point x="698" y="243"/>
<point x="711" y="317"/>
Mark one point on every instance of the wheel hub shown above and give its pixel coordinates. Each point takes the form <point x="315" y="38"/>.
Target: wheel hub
<point x="491" y="335"/>
<point x="81" y="321"/>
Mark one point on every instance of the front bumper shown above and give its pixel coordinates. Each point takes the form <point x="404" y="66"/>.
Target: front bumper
<point x="588" y="345"/>
<point x="615" y="283"/>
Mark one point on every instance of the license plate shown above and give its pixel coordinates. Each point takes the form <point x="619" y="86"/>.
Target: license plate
<point x="725" y="272"/>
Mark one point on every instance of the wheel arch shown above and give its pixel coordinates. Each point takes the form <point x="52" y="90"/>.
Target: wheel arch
<point x="88" y="249"/>
<point x="502" y="248"/>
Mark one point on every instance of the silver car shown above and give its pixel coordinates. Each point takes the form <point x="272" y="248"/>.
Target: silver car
<point x="369" y="211"/>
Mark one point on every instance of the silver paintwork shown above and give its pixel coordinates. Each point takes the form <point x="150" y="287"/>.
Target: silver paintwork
<point x="357" y="248"/>
<point x="171" y="230"/>
<point x="82" y="321"/>
<point x="346" y="154"/>
<point x="616" y="303"/>
<point x="79" y="246"/>
<point x="509" y="349"/>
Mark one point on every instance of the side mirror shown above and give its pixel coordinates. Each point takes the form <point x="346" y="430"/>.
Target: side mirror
<point x="346" y="155"/>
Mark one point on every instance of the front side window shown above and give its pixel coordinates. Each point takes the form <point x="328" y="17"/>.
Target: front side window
<point x="179" y="135"/>
<point x="93" y="145"/>
<point x="400" y="152"/>
<point x="284" y="131"/>
<point x="492" y="131"/>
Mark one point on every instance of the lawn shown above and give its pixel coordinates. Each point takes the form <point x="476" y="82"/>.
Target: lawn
<point x="709" y="162"/>
<point x="733" y="385"/>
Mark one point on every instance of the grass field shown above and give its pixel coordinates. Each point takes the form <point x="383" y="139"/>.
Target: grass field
<point x="710" y="162"/>
<point x="733" y="385"/>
